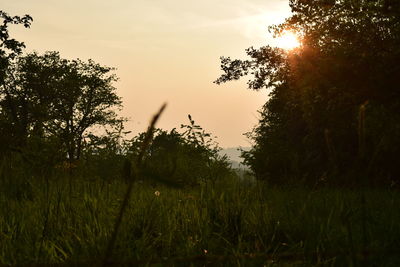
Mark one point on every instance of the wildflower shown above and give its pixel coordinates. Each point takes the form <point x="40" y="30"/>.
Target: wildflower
<point x="205" y="251"/>
<point x="157" y="193"/>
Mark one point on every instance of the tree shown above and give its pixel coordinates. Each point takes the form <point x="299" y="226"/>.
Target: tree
<point x="9" y="47"/>
<point x="9" y="50"/>
<point x="310" y="125"/>
<point x="61" y="98"/>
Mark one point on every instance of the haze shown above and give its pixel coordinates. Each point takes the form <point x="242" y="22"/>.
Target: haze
<point x="164" y="51"/>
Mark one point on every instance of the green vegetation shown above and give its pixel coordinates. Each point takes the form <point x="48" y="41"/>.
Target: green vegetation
<point x="228" y="222"/>
<point x="75" y="190"/>
<point x="311" y="125"/>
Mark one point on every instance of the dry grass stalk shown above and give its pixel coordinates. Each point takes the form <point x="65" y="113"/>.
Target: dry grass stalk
<point x="144" y="146"/>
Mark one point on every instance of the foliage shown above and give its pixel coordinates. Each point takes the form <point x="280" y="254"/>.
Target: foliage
<point x="104" y="156"/>
<point x="186" y="158"/>
<point x="9" y="50"/>
<point x="9" y="47"/>
<point x="309" y="127"/>
<point x="52" y="97"/>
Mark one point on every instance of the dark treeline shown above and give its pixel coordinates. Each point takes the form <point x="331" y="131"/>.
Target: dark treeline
<point x="60" y="115"/>
<point x="333" y="115"/>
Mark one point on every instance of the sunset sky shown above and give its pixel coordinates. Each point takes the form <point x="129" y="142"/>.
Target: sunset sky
<point x="164" y="51"/>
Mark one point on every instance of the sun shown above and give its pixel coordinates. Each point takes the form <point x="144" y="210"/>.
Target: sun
<point x="288" y="40"/>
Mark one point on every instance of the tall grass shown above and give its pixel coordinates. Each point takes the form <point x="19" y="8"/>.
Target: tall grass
<point x="224" y="223"/>
<point x="125" y="202"/>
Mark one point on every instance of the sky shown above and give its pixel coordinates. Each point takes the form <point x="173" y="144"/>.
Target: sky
<point x="163" y="51"/>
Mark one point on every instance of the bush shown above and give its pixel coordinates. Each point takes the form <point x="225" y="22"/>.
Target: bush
<point x="181" y="159"/>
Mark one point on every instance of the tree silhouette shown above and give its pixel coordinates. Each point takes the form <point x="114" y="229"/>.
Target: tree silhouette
<point x="10" y="48"/>
<point x="56" y="97"/>
<point x="309" y="126"/>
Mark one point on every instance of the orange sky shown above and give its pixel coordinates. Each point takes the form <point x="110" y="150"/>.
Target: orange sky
<point x="164" y="51"/>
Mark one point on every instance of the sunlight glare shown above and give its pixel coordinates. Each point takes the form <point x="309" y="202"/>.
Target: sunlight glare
<point x="287" y="41"/>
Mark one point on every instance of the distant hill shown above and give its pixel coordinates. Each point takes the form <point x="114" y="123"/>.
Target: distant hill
<point x="233" y="154"/>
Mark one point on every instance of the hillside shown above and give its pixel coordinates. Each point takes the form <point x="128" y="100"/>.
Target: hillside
<point x="233" y="154"/>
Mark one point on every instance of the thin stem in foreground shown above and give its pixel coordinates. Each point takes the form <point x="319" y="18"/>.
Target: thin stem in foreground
<point x="143" y="148"/>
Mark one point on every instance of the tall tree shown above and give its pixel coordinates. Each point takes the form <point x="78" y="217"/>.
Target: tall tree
<point x="63" y="98"/>
<point x="10" y="48"/>
<point x="310" y="124"/>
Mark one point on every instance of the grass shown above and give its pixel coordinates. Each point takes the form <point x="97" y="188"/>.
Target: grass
<point x="226" y="223"/>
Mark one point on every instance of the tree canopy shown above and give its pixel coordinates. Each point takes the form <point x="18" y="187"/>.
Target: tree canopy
<point x="334" y="102"/>
<point x="51" y="96"/>
<point x="10" y="47"/>
<point x="46" y="98"/>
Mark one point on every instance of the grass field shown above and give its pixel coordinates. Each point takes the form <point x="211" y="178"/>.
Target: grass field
<point x="58" y="221"/>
